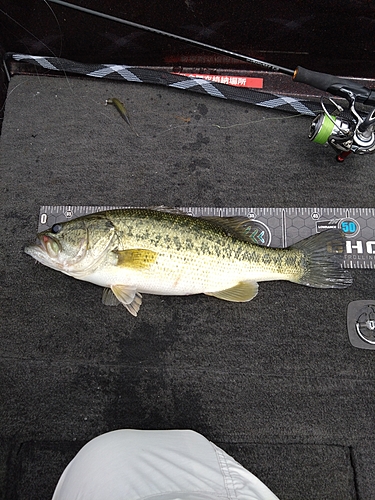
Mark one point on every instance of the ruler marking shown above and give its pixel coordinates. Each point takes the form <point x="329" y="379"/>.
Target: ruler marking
<point x="278" y="220"/>
<point x="283" y="229"/>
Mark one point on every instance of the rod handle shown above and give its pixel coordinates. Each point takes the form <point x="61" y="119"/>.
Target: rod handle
<point x="335" y="85"/>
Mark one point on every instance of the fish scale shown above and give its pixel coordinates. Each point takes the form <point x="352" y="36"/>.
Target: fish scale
<point x="130" y="251"/>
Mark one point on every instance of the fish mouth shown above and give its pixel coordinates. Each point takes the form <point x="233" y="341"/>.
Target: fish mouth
<point x="50" y="245"/>
<point x="45" y="249"/>
<point x="49" y="251"/>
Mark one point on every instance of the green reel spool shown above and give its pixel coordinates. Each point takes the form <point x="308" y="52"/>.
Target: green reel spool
<point x="321" y="128"/>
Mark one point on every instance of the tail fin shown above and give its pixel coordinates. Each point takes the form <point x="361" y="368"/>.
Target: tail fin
<point x="323" y="256"/>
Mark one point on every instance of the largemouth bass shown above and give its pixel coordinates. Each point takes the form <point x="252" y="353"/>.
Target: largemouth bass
<point x="134" y="251"/>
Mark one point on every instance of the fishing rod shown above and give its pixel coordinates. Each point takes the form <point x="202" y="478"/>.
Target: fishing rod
<point x="355" y="134"/>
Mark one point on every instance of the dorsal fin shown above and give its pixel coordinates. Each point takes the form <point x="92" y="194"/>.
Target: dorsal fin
<point x="168" y="210"/>
<point x="240" y="227"/>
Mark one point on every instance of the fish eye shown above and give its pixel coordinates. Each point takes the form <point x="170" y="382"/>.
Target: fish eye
<point x="56" y="228"/>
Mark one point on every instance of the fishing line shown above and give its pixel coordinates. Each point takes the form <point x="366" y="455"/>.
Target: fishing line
<point x="62" y="69"/>
<point x="359" y="136"/>
<point x="39" y="40"/>
<point x="35" y="37"/>
<point x="32" y="34"/>
<point x="212" y="48"/>
<point x="256" y="121"/>
<point x="58" y="24"/>
<point x="151" y="76"/>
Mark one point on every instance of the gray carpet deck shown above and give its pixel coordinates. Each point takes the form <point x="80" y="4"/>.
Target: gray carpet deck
<point x="275" y="382"/>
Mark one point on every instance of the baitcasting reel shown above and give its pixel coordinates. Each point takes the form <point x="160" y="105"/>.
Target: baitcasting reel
<point x="346" y="135"/>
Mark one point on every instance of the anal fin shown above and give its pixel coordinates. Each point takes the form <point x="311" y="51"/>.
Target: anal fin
<point x="242" y="292"/>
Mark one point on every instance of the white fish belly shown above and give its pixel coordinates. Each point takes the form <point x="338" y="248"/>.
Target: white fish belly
<point x="165" y="277"/>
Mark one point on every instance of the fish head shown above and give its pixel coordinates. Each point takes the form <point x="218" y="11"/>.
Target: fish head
<point x="74" y="247"/>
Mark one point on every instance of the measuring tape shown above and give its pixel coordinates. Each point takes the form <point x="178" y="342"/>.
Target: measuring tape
<point x="274" y="227"/>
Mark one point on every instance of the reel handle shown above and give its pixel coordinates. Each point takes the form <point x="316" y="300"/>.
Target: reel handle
<point x="334" y="85"/>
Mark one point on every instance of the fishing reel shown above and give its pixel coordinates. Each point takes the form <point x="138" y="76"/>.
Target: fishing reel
<point x="352" y="133"/>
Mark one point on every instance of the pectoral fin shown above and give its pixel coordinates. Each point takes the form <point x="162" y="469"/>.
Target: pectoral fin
<point x="243" y="292"/>
<point x="136" y="258"/>
<point x="129" y="298"/>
